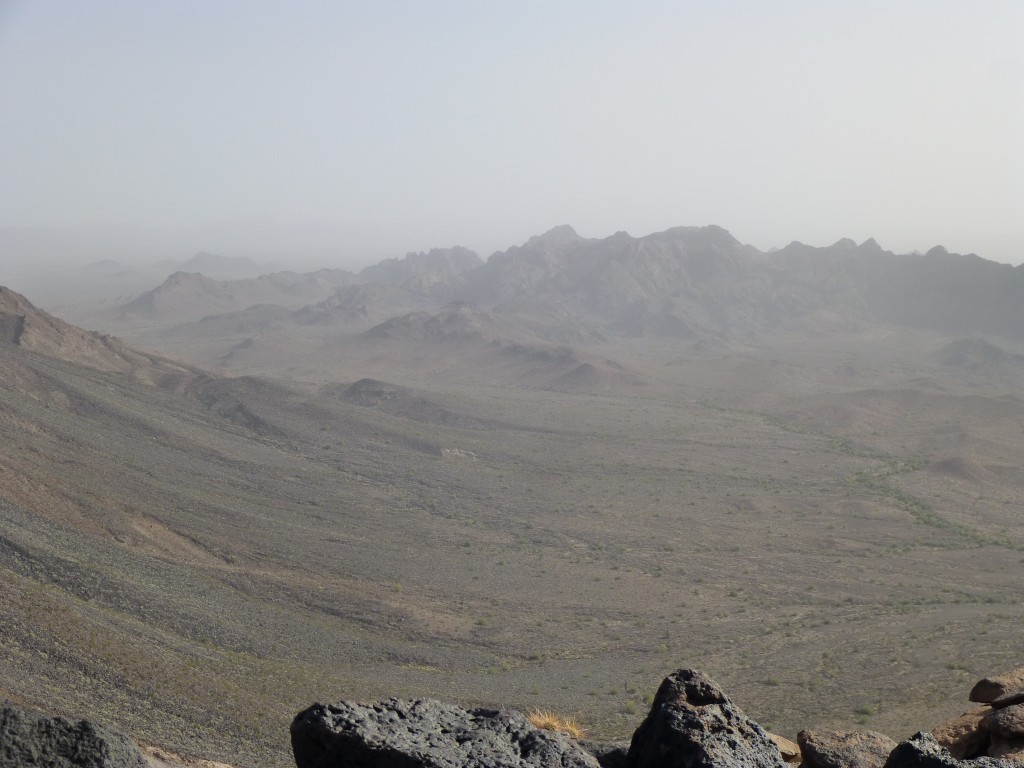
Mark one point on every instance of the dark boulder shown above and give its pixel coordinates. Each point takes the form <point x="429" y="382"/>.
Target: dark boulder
<point x="692" y="724"/>
<point x="610" y="754"/>
<point x="1007" y="722"/>
<point x="923" y="751"/>
<point x="1007" y="700"/>
<point x="427" y="734"/>
<point x="32" y="739"/>
<point x="844" y="749"/>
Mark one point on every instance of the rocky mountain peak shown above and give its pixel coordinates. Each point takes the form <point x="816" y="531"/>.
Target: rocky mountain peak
<point x="554" y="237"/>
<point x="13" y="302"/>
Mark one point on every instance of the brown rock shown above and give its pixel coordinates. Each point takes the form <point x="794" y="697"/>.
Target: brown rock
<point x="1007" y="749"/>
<point x="790" y="750"/>
<point x="965" y="737"/>
<point x="1008" y="722"/>
<point x="988" y="689"/>
<point x="844" y="749"/>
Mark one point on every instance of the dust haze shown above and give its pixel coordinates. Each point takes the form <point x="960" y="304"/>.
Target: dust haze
<point x="542" y="479"/>
<point x="513" y="357"/>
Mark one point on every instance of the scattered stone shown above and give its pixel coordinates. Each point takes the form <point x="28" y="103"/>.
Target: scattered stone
<point x="692" y="724"/>
<point x="965" y="737"/>
<point x="789" y="750"/>
<point x="427" y="734"/>
<point x="923" y="751"/>
<point x="988" y="689"/>
<point x="844" y="749"/>
<point x="30" y="738"/>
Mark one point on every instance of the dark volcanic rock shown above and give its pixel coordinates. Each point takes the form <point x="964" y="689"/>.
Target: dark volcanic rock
<point x="610" y="754"/>
<point x="31" y="739"/>
<point x="923" y="751"/>
<point x="1007" y="722"/>
<point x="844" y="749"/>
<point x="1008" y="700"/>
<point x="426" y="734"/>
<point x="692" y="724"/>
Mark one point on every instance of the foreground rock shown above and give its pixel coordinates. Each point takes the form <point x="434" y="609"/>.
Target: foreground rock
<point x="610" y="754"/>
<point x="1007" y="749"/>
<point x="1007" y="723"/>
<point x="32" y="739"/>
<point x="844" y="749"/>
<point x="789" y="750"/>
<point x="964" y="737"/>
<point x="692" y="724"/>
<point x="988" y="689"/>
<point x="923" y="751"/>
<point x="427" y="734"/>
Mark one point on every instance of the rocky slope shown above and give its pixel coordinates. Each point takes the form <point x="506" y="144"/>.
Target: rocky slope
<point x="176" y="542"/>
<point x="691" y="724"/>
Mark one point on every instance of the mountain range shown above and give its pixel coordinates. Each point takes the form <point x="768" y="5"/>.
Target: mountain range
<point x="686" y="283"/>
<point x="694" y="290"/>
<point x="541" y="480"/>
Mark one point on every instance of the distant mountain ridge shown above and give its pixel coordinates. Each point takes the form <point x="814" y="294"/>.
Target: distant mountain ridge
<point x="440" y="272"/>
<point x="686" y="283"/>
<point x="186" y="296"/>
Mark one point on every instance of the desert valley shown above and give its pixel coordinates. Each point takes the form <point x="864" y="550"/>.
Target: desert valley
<point x="543" y="479"/>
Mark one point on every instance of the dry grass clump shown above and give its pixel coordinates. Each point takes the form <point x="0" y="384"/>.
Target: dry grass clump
<point x="551" y="721"/>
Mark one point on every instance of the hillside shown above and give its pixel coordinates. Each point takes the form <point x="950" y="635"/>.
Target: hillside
<point x="822" y="510"/>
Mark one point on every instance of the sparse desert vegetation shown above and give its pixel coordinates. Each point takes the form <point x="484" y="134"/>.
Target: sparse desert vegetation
<point x="828" y="523"/>
<point x="552" y="721"/>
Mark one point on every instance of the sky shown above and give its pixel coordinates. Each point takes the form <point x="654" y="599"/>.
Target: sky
<point x="390" y="126"/>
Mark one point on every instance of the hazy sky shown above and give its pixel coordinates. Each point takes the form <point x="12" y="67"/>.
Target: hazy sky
<point x="481" y="123"/>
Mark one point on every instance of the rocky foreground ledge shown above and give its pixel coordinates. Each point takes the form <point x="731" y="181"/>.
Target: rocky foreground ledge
<point x="691" y="724"/>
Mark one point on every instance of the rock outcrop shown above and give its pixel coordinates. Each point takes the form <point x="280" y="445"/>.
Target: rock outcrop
<point x="610" y="754"/>
<point x="844" y="749"/>
<point x="427" y="734"/>
<point x="923" y="751"/>
<point x="692" y="724"/>
<point x="32" y="739"/>
<point x="1007" y="723"/>
<point x="964" y="736"/>
<point x="988" y="689"/>
<point x="995" y="730"/>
